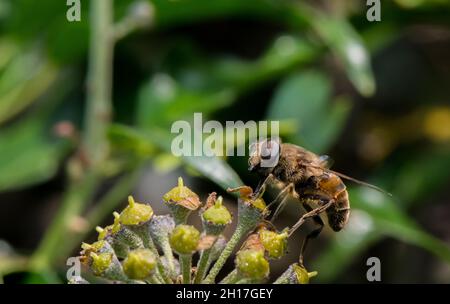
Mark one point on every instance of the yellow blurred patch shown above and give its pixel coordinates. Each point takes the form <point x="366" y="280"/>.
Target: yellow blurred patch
<point x="437" y="124"/>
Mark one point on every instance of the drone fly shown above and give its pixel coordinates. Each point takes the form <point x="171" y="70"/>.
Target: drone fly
<point x="308" y="178"/>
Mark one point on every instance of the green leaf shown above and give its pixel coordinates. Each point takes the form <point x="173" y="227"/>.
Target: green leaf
<point x="27" y="156"/>
<point x="163" y="101"/>
<point x="286" y="53"/>
<point x="345" y="42"/>
<point x="28" y="153"/>
<point x="426" y="173"/>
<point x="392" y="221"/>
<point x="217" y="83"/>
<point x="213" y="168"/>
<point x="20" y="85"/>
<point x="130" y="140"/>
<point x="305" y="98"/>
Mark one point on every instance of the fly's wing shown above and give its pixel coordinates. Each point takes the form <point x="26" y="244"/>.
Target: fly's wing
<point x="341" y="175"/>
<point x="314" y="165"/>
<point x="306" y="162"/>
<point x="326" y="161"/>
<point x="360" y="182"/>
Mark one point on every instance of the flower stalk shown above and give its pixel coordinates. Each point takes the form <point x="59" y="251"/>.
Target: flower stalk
<point x="186" y="266"/>
<point x="215" y="217"/>
<point x="250" y="212"/>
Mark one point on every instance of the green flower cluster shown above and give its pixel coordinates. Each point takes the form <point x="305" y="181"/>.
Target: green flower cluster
<point x="141" y="247"/>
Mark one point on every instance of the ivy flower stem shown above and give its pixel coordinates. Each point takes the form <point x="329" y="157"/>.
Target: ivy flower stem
<point x="161" y="269"/>
<point x="202" y="265"/>
<point x="168" y="254"/>
<point x="239" y="233"/>
<point x="250" y="212"/>
<point x="154" y="279"/>
<point x="186" y="265"/>
<point x="99" y="105"/>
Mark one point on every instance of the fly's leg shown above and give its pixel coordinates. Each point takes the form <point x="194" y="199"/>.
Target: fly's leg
<point x="261" y="187"/>
<point x="313" y="234"/>
<point x="281" y="197"/>
<point x="312" y="213"/>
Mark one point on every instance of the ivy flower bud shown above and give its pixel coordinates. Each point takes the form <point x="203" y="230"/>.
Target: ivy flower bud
<point x="252" y="264"/>
<point x="107" y="266"/>
<point x="295" y="274"/>
<point x="117" y="237"/>
<point x="139" y="264"/>
<point x="215" y="216"/>
<point x="184" y="239"/>
<point x="99" y="246"/>
<point x="136" y="218"/>
<point x="96" y="247"/>
<point x="181" y="201"/>
<point x="251" y="210"/>
<point x="100" y="262"/>
<point x="246" y="195"/>
<point x="302" y="275"/>
<point x="135" y="213"/>
<point x="103" y="233"/>
<point x="274" y="243"/>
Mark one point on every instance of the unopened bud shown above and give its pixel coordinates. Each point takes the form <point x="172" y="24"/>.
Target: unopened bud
<point x="295" y="274"/>
<point x="100" y="262"/>
<point x="139" y="264"/>
<point x="302" y="275"/>
<point x="274" y="243"/>
<point x="252" y="264"/>
<point x="184" y="239"/>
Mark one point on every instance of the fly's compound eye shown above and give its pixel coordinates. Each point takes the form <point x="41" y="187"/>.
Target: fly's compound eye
<point x="265" y="150"/>
<point x="270" y="153"/>
<point x="269" y="149"/>
<point x="265" y="156"/>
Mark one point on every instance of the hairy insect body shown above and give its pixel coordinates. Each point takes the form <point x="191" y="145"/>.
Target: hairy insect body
<point x="312" y="183"/>
<point x="329" y="187"/>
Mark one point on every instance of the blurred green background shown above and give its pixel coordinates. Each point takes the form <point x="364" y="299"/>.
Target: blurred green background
<point x="373" y="95"/>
